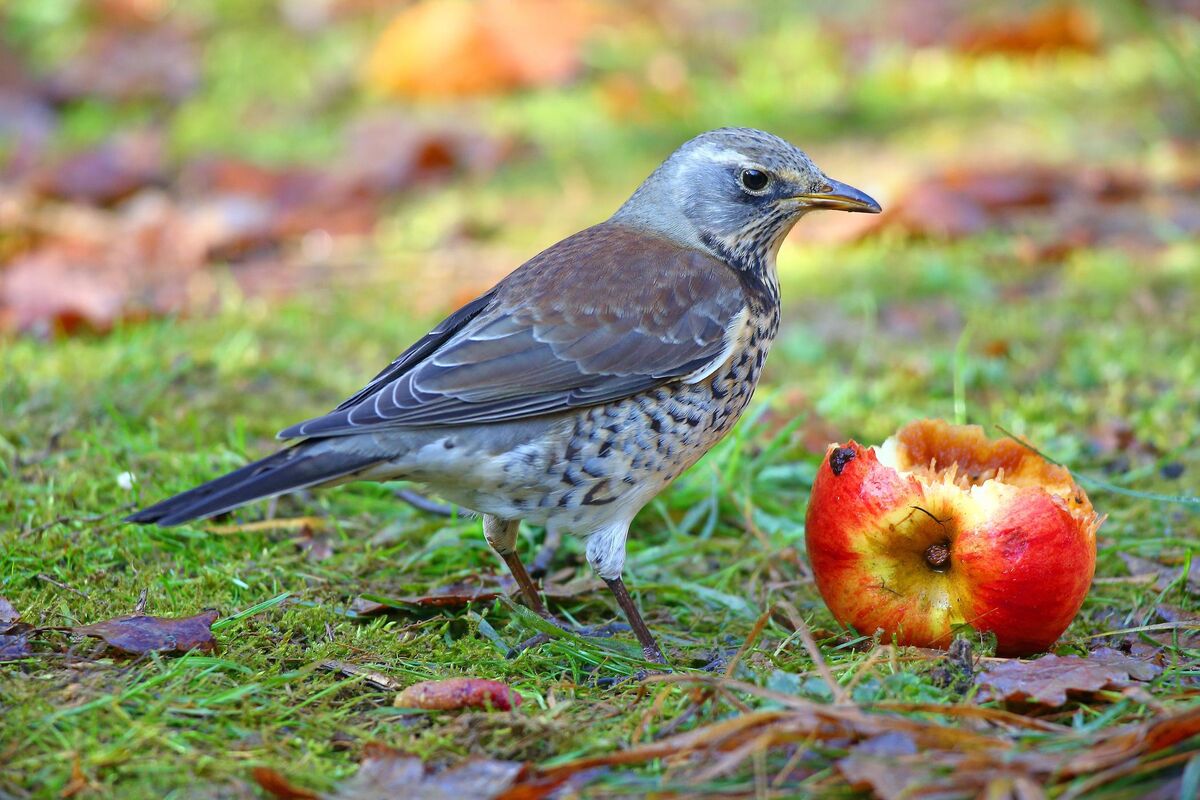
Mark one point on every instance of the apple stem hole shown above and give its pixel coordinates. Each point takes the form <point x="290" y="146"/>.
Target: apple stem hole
<point x="937" y="556"/>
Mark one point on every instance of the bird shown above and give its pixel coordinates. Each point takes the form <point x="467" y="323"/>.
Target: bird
<point x="583" y="383"/>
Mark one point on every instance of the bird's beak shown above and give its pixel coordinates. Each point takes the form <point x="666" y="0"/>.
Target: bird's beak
<point x="840" y="197"/>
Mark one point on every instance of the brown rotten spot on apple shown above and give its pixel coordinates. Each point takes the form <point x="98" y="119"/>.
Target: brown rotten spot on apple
<point x="941" y="528"/>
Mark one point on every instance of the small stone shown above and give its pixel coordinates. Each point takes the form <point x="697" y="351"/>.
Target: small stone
<point x="1173" y="470"/>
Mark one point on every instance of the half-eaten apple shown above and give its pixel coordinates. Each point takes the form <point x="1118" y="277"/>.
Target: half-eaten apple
<point x="941" y="528"/>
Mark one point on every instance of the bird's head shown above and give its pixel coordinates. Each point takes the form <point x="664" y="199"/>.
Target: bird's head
<point x="737" y="192"/>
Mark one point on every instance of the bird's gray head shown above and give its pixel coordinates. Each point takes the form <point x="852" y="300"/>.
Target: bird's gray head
<point x="736" y="192"/>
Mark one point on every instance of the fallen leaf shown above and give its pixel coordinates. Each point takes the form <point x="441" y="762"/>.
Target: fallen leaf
<point x="316" y="546"/>
<point x="142" y="634"/>
<point x="1050" y="679"/>
<point x="60" y="289"/>
<point x="456" y="693"/>
<point x="1051" y="210"/>
<point x="390" y="773"/>
<point x="8" y="615"/>
<point x="157" y="63"/>
<point x="1057" y="27"/>
<point x="280" y="787"/>
<point x="1163" y="575"/>
<point x="876" y="765"/>
<point x="79" y="781"/>
<point x="14" y="642"/>
<point x="14" y="646"/>
<point x="456" y="48"/>
<point x="111" y="171"/>
<point x="384" y="153"/>
<point x="387" y="773"/>
<point x="363" y="607"/>
<point x="1131" y="741"/>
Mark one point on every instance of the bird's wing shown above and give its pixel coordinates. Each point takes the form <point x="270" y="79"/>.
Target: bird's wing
<point x="602" y="315"/>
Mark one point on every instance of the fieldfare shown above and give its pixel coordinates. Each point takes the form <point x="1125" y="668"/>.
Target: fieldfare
<point x="583" y="383"/>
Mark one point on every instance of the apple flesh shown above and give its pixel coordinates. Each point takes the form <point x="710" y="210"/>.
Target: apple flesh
<point x="941" y="528"/>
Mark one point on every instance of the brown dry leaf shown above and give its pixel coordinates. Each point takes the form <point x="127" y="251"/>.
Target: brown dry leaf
<point x="1057" y="27"/>
<point x="384" y="153"/>
<point x="141" y="634"/>
<point x="316" y="545"/>
<point x="8" y="615"/>
<point x="78" y="783"/>
<point x="455" y="693"/>
<point x="1051" y="210"/>
<point x="880" y="765"/>
<point x="156" y="63"/>
<point x="67" y="287"/>
<point x="456" y="48"/>
<point x="1135" y="740"/>
<point x="386" y="773"/>
<point x="1163" y="575"/>
<point x="14" y="646"/>
<point x="280" y="787"/>
<point x="109" y="172"/>
<point x="1050" y="679"/>
<point x="14" y="643"/>
<point x="109" y="234"/>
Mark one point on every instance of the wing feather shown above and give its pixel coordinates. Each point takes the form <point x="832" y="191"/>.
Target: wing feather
<point x="602" y="315"/>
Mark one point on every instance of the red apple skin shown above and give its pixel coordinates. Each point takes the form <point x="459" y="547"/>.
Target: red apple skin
<point x="1020" y="562"/>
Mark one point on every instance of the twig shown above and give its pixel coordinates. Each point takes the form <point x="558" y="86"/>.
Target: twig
<point x="759" y="624"/>
<point x="286" y="524"/>
<point x="43" y="576"/>
<point x="867" y="663"/>
<point x="653" y="711"/>
<point x="840" y="697"/>
<point x="65" y="518"/>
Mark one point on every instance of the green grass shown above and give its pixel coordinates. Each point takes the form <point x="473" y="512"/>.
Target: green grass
<point x="875" y="334"/>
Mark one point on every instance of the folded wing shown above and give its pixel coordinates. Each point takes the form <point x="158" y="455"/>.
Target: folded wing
<point x="600" y="316"/>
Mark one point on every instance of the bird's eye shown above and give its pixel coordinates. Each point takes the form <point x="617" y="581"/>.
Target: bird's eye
<point x="755" y="179"/>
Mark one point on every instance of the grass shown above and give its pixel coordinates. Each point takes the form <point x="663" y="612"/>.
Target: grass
<point x="876" y="333"/>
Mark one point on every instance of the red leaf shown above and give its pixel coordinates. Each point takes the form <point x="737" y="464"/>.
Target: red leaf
<point x="278" y="786"/>
<point x="455" y="693"/>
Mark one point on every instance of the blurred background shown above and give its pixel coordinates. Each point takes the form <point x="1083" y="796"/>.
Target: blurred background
<point x="251" y="204"/>
<point x="218" y="217"/>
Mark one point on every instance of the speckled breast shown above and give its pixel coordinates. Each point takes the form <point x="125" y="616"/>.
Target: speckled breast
<point x="624" y="453"/>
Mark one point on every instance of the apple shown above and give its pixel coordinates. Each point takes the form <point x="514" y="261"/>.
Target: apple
<point x="941" y="528"/>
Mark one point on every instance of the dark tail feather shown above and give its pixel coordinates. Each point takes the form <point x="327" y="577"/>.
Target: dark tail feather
<point x="306" y="464"/>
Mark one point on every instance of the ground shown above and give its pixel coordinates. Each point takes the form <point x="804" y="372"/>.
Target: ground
<point x="1090" y="354"/>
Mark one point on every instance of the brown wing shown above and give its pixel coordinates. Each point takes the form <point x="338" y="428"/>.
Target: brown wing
<point x="602" y="315"/>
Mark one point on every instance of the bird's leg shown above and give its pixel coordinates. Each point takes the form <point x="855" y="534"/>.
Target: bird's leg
<point x="645" y="638"/>
<point x="502" y="536"/>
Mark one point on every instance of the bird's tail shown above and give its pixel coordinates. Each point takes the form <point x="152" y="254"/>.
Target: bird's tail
<point x="309" y="463"/>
